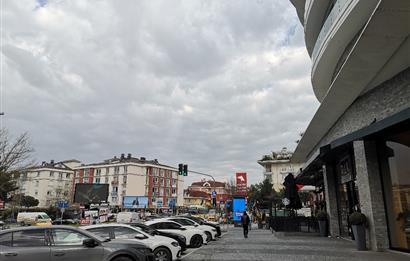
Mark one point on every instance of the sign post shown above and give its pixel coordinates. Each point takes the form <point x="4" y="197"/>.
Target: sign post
<point x="62" y="205"/>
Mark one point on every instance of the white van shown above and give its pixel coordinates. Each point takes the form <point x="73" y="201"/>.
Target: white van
<point x="33" y="219"/>
<point x="128" y="217"/>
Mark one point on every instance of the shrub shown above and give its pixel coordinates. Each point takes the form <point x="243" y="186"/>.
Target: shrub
<point x="357" y="218"/>
<point x="321" y="215"/>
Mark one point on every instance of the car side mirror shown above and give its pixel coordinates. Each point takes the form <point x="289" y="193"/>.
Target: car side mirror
<point x="90" y="242"/>
<point x="140" y="236"/>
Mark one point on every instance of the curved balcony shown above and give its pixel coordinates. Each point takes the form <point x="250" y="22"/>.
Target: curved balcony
<point x="314" y="17"/>
<point x="341" y="26"/>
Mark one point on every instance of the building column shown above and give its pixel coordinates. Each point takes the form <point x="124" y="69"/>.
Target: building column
<point x="371" y="193"/>
<point x="329" y="179"/>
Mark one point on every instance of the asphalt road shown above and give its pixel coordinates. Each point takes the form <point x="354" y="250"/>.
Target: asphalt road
<point x="263" y="245"/>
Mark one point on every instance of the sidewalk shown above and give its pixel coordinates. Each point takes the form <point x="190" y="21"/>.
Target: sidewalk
<point x="263" y="245"/>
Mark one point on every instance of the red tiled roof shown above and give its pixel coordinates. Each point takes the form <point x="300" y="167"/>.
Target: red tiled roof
<point x="197" y="193"/>
<point x="211" y="183"/>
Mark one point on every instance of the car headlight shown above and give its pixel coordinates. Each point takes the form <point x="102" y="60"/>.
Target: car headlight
<point x="175" y="244"/>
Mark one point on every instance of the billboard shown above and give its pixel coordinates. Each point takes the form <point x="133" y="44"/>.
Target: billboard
<point x="91" y="193"/>
<point x="135" y="202"/>
<point x="242" y="183"/>
<point x="239" y="206"/>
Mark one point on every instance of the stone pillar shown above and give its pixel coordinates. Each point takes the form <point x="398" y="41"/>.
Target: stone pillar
<point x="329" y="179"/>
<point x="371" y="194"/>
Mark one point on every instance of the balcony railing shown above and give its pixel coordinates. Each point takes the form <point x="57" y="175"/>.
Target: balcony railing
<point x="338" y="9"/>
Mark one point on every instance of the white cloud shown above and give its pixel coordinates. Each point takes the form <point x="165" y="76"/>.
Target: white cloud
<point x="215" y="84"/>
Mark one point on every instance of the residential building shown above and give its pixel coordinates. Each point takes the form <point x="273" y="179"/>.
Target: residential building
<point x="49" y="182"/>
<point x="208" y="186"/>
<point x="277" y="166"/>
<point x="357" y="143"/>
<point x="136" y="177"/>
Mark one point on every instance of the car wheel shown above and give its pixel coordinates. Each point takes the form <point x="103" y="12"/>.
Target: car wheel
<point x="122" y="258"/>
<point x="196" y="241"/>
<point x="162" y="254"/>
<point x="208" y="236"/>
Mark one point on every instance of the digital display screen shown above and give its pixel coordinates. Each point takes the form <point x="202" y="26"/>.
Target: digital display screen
<point x="135" y="202"/>
<point x="91" y="193"/>
<point x="239" y="206"/>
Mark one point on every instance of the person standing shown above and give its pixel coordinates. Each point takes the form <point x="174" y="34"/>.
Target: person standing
<point x="245" y="224"/>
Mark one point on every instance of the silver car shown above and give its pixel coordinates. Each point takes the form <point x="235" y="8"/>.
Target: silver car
<point x="56" y="243"/>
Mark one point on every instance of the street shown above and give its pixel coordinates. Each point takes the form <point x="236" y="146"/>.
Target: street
<point x="263" y="245"/>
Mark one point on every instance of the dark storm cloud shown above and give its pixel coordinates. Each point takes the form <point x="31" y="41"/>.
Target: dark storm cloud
<point x="215" y="84"/>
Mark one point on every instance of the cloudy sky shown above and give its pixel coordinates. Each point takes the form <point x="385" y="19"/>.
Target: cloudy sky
<point x="215" y="84"/>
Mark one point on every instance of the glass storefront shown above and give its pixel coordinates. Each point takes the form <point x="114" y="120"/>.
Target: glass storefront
<point x="348" y="195"/>
<point x="395" y="164"/>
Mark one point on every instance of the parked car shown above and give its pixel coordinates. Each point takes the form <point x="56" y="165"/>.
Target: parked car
<point x="163" y="248"/>
<point x="181" y="239"/>
<point x="209" y="231"/>
<point x="66" y="243"/>
<point x="33" y="219"/>
<point x="128" y="217"/>
<point x="59" y="221"/>
<point x="194" y="237"/>
<point x="202" y="221"/>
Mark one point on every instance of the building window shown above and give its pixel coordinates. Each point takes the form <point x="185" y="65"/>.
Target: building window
<point x="37" y="182"/>
<point x="49" y="193"/>
<point x="60" y="175"/>
<point x="116" y="170"/>
<point x="97" y="180"/>
<point x="51" y="173"/>
<point x="98" y="172"/>
<point x="36" y="193"/>
<point x="67" y="175"/>
<point x="174" y="190"/>
<point x="125" y="169"/>
<point x="155" y="180"/>
<point x="124" y="179"/>
<point x="107" y="171"/>
<point x="38" y="173"/>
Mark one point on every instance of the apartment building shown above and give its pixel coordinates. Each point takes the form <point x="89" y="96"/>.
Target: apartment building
<point x="49" y="182"/>
<point x="277" y="166"/>
<point x="128" y="176"/>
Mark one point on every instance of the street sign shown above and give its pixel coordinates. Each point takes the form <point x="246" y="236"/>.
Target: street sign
<point x="213" y="194"/>
<point x="62" y="205"/>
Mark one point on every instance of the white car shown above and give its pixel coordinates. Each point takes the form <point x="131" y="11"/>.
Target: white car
<point x="194" y="237"/>
<point x="164" y="248"/>
<point x="209" y="231"/>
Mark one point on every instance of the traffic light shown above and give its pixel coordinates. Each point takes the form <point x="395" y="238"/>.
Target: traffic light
<point x="181" y="169"/>
<point x="185" y="170"/>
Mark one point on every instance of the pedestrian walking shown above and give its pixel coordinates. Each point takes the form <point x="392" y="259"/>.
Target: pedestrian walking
<point x="245" y="224"/>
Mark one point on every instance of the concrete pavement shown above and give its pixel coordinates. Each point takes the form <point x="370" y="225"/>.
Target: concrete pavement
<point x="263" y="245"/>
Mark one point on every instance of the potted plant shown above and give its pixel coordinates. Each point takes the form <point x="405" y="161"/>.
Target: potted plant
<point x="321" y="217"/>
<point x="358" y="222"/>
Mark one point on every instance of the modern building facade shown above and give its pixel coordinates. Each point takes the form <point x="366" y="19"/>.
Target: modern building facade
<point x="357" y="143"/>
<point x="134" y="177"/>
<point x="277" y="166"/>
<point x="49" y="182"/>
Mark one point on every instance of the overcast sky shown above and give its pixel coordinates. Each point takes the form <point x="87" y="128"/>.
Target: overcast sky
<point x="214" y="84"/>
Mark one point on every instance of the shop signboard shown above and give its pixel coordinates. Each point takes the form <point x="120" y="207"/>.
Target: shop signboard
<point x="133" y="202"/>
<point x="242" y="183"/>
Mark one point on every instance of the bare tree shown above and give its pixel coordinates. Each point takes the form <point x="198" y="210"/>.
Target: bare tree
<point x="15" y="156"/>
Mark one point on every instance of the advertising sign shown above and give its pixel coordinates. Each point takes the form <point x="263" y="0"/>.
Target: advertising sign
<point x="172" y="202"/>
<point x="1" y="204"/>
<point x="242" y="183"/>
<point x="135" y="202"/>
<point x="160" y="203"/>
<point x="91" y="193"/>
<point x="239" y="206"/>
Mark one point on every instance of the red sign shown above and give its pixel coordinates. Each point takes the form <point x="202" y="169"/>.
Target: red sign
<point x="241" y="183"/>
<point x="85" y="221"/>
<point x="1" y="204"/>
